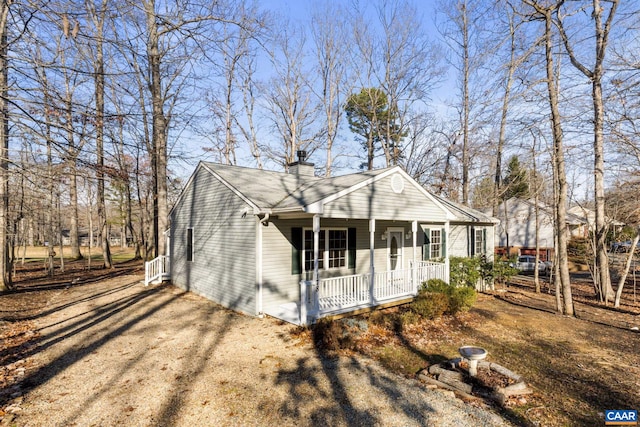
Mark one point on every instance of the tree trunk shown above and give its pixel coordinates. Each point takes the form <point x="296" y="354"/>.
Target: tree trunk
<point x="595" y="75"/>
<point x="73" y="198"/>
<point x="559" y="166"/>
<point x="5" y="268"/>
<point x="99" y="18"/>
<point x="627" y="267"/>
<point x="465" y="105"/>
<point x="159" y="132"/>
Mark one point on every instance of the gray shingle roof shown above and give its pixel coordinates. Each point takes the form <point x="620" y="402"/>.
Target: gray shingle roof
<point x="281" y="190"/>
<point x="466" y="214"/>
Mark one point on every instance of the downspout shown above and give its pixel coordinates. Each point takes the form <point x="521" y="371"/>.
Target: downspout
<point x="259" y="277"/>
<point x="265" y="220"/>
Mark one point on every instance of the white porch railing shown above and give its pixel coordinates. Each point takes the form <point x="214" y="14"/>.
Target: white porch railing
<point x="347" y="293"/>
<point x="427" y="270"/>
<point x="158" y="269"/>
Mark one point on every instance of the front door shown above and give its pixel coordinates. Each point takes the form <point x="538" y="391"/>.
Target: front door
<point x="395" y="243"/>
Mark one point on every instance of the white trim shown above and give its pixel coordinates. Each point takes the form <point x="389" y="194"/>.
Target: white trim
<point x="202" y="165"/>
<point x="399" y="230"/>
<point x="414" y="240"/>
<point x="447" y="254"/>
<point x="255" y="207"/>
<point x="318" y="207"/>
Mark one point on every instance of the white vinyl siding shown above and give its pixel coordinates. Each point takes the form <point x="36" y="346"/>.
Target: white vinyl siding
<point x="223" y="247"/>
<point x="379" y="201"/>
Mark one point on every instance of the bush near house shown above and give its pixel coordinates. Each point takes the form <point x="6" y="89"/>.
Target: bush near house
<point x="435" y="298"/>
<point x="503" y="270"/>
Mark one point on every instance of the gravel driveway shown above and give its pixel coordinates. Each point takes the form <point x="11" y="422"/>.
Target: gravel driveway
<point x="113" y="352"/>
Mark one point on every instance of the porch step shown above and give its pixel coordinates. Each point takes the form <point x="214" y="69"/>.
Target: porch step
<point x="288" y="312"/>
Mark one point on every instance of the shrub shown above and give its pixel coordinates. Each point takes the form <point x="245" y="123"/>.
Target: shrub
<point x="430" y="305"/>
<point x="327" y="335"/>
<point x="435" y="285"/>
<point x="465" y="271"/>
<point x="503" y="270"/>
<point x="461" y="299"/>
<point x="437" y="297"/>
<point x="578" y="248"/>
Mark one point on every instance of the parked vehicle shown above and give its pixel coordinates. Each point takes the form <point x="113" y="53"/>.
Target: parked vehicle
<point x="527" y="263"/>
<point x="623" y="246"/>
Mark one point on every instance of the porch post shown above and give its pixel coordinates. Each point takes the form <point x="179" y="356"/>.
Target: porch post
<point x="446" y="258"/>
<point x="414" y="233"/>
<point x="372" y="270"/>
<point x="315" y="287"/>
<point x="316" y="247"/>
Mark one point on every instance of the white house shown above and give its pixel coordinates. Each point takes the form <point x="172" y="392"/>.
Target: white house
<point x="300" y="247"/>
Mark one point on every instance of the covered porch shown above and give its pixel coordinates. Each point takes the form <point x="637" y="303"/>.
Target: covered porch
<point x="344" y="294"/>
<point x="395" y="273"/>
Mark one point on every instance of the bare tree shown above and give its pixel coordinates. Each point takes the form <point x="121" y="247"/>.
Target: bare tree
<point x="5" y="268"/>
<point x="462" y="34"/>
<point x="236" y="49"/>
<point x="98" y="16"/>
<point x="328" y="28"/>
<point x="602" y="27"/>
<point x="249" y="89"/>
<point x="293" y="110"/>
<point x="545" y="13"/>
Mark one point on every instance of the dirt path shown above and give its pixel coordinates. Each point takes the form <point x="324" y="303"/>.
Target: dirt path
<point x="112" y="352"/>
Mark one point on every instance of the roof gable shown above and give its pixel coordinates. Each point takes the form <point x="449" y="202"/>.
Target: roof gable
<point x="273" y="192"/>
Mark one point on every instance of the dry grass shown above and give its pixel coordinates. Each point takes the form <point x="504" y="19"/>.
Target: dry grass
<point x="577" y="367"/>
<point x="40" y="253"/>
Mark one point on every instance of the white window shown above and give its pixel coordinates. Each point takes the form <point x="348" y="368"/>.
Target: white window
<point x="480" y="241"/>
<point x="435" y="244"/>
<point x="332" y="249"/>
<point x="308" y="250"/>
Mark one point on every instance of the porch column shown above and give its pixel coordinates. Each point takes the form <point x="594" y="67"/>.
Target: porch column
<point x="316" y="247"/>
<point x="372" y="269"/>
<point x="446" y="258"/>
<point x="414" y="234"/>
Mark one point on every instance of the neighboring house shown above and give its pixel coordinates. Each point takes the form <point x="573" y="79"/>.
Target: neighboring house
<point x="590" y="216"/>
<point x="83" y="237"/>
<point x="299" y="247"/>
<point x="516" y="234"/>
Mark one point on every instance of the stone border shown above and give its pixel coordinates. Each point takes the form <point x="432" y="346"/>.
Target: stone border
<point x="448" y="376"/>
